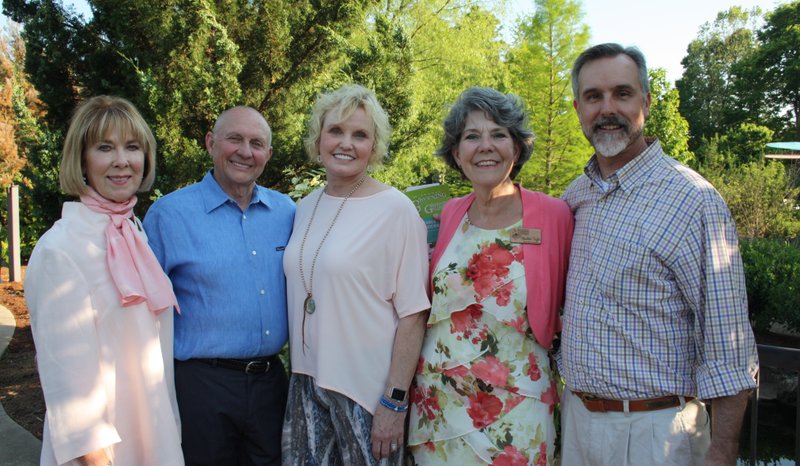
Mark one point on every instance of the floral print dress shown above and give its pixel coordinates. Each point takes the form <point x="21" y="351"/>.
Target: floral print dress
<point x="484" y="391"/>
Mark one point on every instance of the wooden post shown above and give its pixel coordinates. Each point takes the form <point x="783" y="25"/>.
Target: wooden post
<point x="14" y="264"/>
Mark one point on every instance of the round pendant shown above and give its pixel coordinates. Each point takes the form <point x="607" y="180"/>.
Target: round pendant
<point x="309" y="305"/>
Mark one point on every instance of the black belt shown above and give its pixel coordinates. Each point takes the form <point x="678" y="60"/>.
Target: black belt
<point x="248" y="366"/>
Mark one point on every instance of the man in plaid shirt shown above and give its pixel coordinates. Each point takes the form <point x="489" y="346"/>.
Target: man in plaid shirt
<point x="655" y="318"/>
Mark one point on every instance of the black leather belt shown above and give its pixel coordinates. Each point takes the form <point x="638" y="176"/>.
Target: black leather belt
<point x="248" y="366"/>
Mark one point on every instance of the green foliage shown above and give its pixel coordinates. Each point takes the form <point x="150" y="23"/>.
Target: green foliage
<point x="454" y="45"/>
<point x="746" y="143"/>
<point x="742" y="145"/>
<point x="304" y="182"/>
<point x="709" y="158"/>
<point x="40" y="198"/>
<point x="775" y="67"/>
<point x="665" y="121"/>
<point x="737" y="72"/>
<point x="547" y="44"/>
<point x="182" y="63"/>
<point x="706" y="85"/>
<point x="762" y="199"/>
<point x="29" y="156"/>
<point x="772" y="271"/>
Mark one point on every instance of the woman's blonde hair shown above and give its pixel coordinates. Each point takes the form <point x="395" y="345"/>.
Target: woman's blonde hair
<point x="93" y="120"/>
<point x="340" y="104"/>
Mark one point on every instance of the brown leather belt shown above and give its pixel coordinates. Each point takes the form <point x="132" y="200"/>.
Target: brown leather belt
<point x="596" y="404"/>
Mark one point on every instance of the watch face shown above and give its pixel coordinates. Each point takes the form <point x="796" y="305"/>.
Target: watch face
<point x="398" y="395"/>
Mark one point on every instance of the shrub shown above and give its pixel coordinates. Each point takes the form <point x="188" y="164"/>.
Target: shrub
<point x="772" y="271"/>
<point x="762" y="199"/>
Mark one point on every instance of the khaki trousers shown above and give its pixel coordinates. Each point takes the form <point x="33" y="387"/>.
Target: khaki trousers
<point x="677" y="436"/>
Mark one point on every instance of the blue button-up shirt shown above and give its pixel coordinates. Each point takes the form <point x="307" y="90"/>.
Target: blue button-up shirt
<point x="226" y="267"/>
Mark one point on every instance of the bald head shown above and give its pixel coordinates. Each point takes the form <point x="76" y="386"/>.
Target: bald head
<point x="249" y="113"/>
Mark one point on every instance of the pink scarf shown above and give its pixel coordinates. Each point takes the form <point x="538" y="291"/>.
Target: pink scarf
<point x="134" y="269"/>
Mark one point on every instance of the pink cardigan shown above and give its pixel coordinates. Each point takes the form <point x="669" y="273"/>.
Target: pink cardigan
<point x="545" y="263"/>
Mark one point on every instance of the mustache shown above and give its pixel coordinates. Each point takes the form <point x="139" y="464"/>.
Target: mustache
<point x="612" y="120"/>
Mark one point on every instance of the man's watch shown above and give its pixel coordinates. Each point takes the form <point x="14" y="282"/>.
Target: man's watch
<point x="397" y="395"/>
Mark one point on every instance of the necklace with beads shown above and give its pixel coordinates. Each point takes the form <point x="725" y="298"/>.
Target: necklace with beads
<point x="309" y="305"/>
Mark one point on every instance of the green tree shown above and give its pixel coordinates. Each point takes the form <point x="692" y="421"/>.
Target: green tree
<point x="434" y="31"/>
<point x="770" y="78"/>
<point x="182" y="62"/>
<point x="26" y="148"/>
<point x="706" y="84"/>
<point x="547" y="45"/>
<point x="49" y="32"/>
<point x="666" y="122"/>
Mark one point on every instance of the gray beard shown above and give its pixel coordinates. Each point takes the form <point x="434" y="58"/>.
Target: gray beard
<point x="609" y="146"/>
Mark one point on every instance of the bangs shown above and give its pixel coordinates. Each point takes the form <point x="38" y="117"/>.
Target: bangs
<point x="113" y="120"/>
<point x="344" y="110"/>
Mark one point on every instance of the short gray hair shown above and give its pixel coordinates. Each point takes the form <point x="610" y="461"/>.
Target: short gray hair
<point x="611" y="50"/>
<point x="506" y="110"/>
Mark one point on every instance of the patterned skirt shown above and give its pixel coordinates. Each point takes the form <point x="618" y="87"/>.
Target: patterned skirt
<point x="325" y="428"/>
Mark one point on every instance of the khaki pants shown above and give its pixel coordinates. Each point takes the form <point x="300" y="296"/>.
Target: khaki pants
<point x="674" y="436"/>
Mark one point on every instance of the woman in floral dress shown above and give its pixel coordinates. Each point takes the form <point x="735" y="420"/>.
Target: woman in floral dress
<point x="485" y="391"/>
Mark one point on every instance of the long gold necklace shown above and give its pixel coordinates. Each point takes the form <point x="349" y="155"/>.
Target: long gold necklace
<point x="309" y="305"/>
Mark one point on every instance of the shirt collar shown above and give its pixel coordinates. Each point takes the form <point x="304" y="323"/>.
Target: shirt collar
<point x="214" y="196"/>
<point x="631" y="173"/>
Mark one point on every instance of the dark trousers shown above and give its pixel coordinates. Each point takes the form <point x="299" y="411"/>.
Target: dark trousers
<point x="229" y="417"/>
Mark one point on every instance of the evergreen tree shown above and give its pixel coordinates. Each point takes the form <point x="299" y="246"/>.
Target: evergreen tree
<point x="547" y="45"/>
<point x="665" y="121"/>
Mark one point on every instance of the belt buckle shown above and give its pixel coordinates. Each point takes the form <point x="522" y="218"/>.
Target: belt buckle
<point x="593" y="402"/>
<point x="251" y="367"/>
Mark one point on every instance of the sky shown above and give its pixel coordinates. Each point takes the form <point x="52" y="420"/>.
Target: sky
<point x="661" y="29"/>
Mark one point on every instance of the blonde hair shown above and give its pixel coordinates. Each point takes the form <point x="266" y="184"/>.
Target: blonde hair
<point x="340" y="104"/>
<point x="93" y="120"/>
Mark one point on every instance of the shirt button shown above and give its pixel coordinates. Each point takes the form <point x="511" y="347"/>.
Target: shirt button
<point x="253" y="253"/>
<point x="266" y="333"/>
<point x="244" y="217"/>
<point x="263" y="292"/>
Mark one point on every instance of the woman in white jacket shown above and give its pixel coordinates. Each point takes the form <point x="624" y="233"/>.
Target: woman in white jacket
<point x="100" y="305"/>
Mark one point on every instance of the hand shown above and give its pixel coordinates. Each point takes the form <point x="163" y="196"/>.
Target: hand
<point x="387" y="430"/>
<point x="95" y="458"/>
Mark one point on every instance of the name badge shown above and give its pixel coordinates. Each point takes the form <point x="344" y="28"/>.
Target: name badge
<point x="526" y="235"/>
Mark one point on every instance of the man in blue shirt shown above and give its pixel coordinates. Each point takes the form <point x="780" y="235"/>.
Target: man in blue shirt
<point x="221" y="242"/>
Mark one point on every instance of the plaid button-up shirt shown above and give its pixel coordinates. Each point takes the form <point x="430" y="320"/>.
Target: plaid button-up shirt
<point x="656" y="301"/>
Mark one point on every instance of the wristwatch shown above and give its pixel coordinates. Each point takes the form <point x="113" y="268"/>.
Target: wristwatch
<point x="398" y="395"/>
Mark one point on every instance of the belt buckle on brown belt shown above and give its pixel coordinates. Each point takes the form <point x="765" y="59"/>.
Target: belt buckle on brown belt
<point x="593" y="402"/>
<point x="596" y="404"/>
